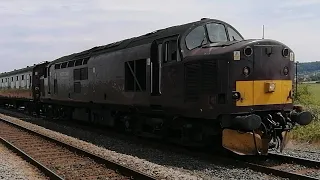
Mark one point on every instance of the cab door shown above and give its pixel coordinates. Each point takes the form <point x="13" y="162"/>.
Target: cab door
<point x="155" y="69"/>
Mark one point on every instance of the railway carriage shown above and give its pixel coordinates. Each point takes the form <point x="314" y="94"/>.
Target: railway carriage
<point x="20" y="87"/>
<point x="199" y="83"/>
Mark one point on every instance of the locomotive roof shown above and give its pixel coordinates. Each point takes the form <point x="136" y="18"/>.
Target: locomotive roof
<point x="131" y="42"/>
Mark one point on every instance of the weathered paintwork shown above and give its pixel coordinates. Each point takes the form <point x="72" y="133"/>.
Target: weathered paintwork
<point x="16" y="94"/>
<point x="215" y="78"/>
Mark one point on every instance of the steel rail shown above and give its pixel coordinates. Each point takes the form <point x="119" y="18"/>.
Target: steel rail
<point x="32" y="161"/>
<point x="127" y="171"/>
<point x="296" y="160"/>
<point x="276" y="172"/>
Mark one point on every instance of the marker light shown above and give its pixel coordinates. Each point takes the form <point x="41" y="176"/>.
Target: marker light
<point x="285" y="70"/>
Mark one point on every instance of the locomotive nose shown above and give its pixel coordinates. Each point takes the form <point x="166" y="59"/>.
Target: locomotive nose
<point x="272" y="62"/>
<point x="266" y="74"/>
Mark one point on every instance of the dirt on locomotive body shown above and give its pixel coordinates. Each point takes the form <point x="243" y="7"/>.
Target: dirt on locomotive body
<point x="195" y="84"/>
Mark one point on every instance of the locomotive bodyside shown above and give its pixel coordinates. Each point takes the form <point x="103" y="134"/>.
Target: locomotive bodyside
<point x="117" y="76"/>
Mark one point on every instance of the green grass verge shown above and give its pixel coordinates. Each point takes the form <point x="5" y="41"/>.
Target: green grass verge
<point x="309" y="133"/>
<point x="309" y="97"/>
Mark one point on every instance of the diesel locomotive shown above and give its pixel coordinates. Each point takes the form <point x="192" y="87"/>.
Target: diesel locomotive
<point x="199" y="83"/>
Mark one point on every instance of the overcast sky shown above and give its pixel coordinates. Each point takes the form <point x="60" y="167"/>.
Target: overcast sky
<point x="36" y="30"/>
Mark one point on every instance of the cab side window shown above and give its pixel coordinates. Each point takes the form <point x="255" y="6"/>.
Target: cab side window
<point x="196" y="37"/>
<point x="233" y="35"/>
<point x="170" y="51"/>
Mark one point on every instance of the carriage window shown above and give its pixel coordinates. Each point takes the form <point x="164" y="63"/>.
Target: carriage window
<point x="196" y="37"/>
<point x="233" y="35"/>
<point x="22" y="77"/>
<point x="217" y="32"/>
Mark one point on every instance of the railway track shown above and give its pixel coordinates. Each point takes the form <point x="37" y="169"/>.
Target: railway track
<point x="58" y="160"/>
<point x="283" y="166"/>
<point x="275" y="164"/>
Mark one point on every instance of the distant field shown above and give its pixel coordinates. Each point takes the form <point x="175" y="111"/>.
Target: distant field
<point x="314" y="89"/>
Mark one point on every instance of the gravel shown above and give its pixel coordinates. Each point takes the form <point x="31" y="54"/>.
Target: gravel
<point x="302" y="150"/>
<point x="13" y="167"/>
<point x="164" y="165"/>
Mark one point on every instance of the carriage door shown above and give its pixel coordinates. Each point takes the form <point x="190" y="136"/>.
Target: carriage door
<point x="155" y="69"/>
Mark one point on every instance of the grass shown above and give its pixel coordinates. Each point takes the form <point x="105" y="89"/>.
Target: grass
<point x="314" y="89"/>
<point x="309" y="133"/>
<point x="309" y="97"/>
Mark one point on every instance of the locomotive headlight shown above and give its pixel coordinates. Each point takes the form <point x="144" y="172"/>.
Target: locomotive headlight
<point x="246" y="71"/>
<point x="285" y="52"/>
<point x="270" y="87"/>
<point x="248" y="51"/>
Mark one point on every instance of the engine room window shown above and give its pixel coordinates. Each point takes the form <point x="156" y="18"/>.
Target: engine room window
<point x="85" y="61"/>
<point x="80" y="74"/>
<point x="196" y="37"/>
<point x="84" y="73"/>
<point x="135" y="75"/>
<point x="78" y="62"/>
<point x="70" y="63"/>
<point x="233" y="35"/>
<point x="64" y="65"/>
<point x="217" y="32"/>
<point x="57" y="66"/>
